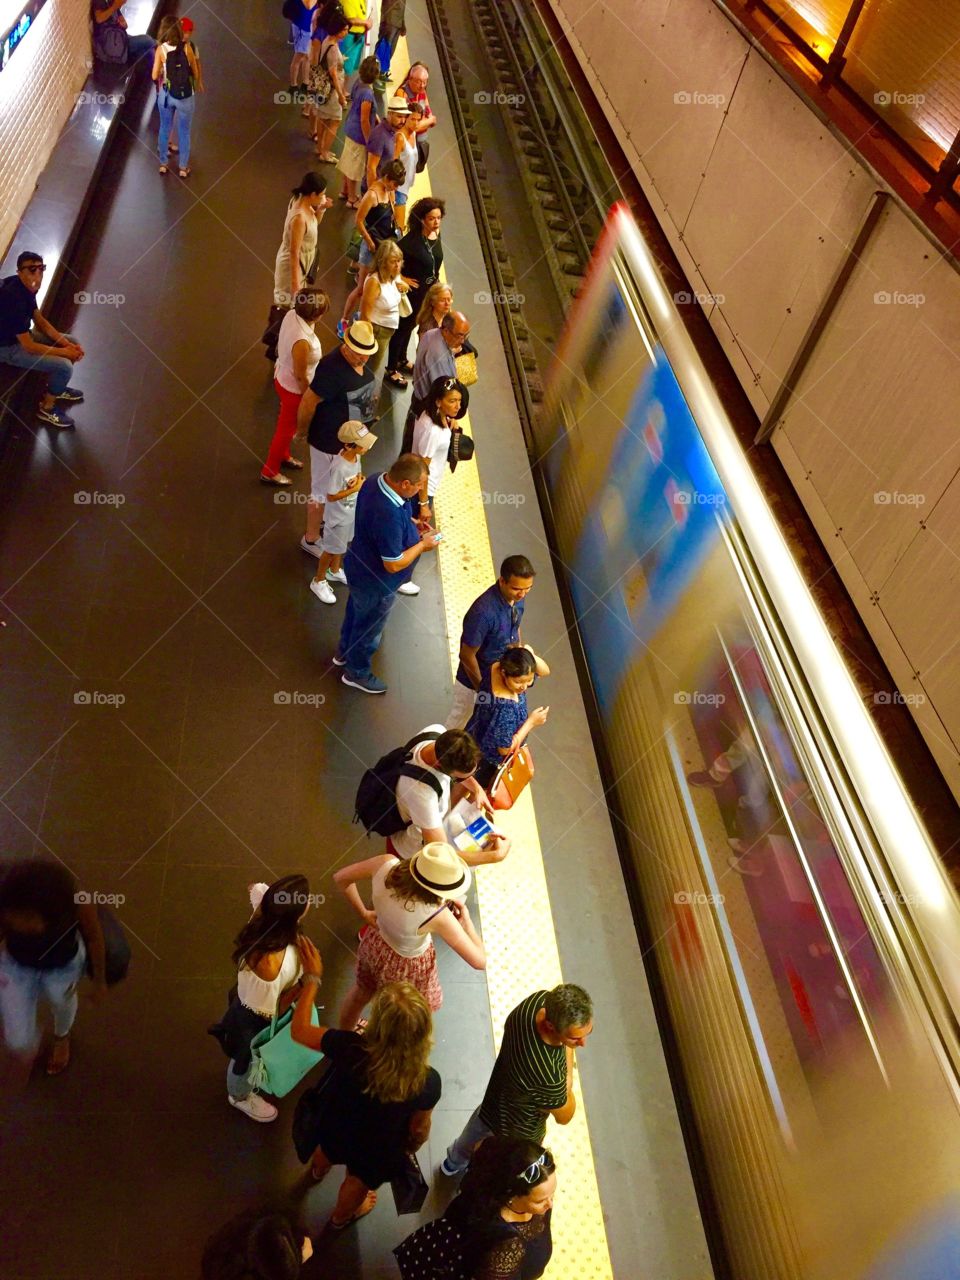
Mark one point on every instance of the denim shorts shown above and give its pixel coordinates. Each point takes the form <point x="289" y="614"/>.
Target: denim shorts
<point x="366" y="255"/>
<point x="400" y="198"/>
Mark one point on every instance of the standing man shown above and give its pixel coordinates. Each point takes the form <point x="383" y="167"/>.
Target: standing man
<point x="393" y="25"/>
<point x="490" y="626"/>
<point x="436" y="353"/>
<point x="533" y="1075"/>
<point x="341" y="391"/>
<point x="55" y="357"/>
<point x="386" y="545"/>
<point x="382" y="143"/>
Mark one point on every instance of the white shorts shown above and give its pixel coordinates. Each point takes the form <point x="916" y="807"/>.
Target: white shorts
<point x="320" y="464"/>
<point x="336" y="537"/>
<point x="353" y="160"/>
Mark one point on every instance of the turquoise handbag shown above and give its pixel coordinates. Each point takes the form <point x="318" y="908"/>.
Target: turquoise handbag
<point x="279" y="1063"/>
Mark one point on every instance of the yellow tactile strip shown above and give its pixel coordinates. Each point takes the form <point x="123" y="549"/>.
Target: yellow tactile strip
<point x="521" y="945"/>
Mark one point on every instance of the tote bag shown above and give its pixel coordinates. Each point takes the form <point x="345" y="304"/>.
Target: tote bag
<point x="279" y="1063"/>
<point x="512" y="778"/>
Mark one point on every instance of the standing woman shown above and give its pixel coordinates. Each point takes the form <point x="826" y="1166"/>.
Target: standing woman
<point x="361" y="117"/>
<point x="268" y="974"/>
<point x="378" y="1100"/>
<point x="501" y="1216"/>
<point x="375" y="222"/>
<point x="298" y="247"/>
<point x="380" y="304"/>
<point x="176" y="74"/>
<point x="437" y="302"/>
<point x="406" y="153"/>
<point x="409" y="898"/>
<point x="298" y="354"/>
<point x="352" y="45"/>
<point x="325" y="53"/>
<point x="432" y="432"/>
<point x="48" y="930"/>
<point x="500" y="723"/>
<point x="422" y="258"/>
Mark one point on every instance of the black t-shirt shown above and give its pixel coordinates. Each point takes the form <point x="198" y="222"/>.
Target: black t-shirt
<point x="358" y="1130"/>
<point x="17" y="305"/>
<point x="421" y="260"/>
<point x="344" y="395"/>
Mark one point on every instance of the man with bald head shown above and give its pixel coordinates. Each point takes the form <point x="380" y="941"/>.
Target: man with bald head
<point x="436" y="353"/>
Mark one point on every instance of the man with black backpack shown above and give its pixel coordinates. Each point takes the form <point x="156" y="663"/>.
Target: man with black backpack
<point x="406" y="795"/>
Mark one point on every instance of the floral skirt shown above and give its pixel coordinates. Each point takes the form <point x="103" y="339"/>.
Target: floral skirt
<point x="378" y="964"/>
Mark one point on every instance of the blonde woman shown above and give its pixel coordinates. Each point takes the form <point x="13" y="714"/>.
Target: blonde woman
<point x="378" y="1099"/>
<point x="437" y="302"/>
<point x="380" y="303"/>
<point x="375" y="222"/>
<point x="409" y="900"/>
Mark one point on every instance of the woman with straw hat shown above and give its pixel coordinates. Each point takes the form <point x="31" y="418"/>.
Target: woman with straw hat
<point x="413" y="899"/>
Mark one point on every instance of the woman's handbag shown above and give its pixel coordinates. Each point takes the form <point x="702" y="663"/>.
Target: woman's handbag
<point x="308" y="1113"/>
<point x="271" y="334"/>
<point x="406" y="306"/>
<point x="409" y="1187"/>
<point x="436" y="1251"/>
<point x="423" y="153"/>
<point x="279" y="1063"/>
<point x="466" y="363"/>
<point x="321" y="82"/>
<point x="513" y="776"/>
<point x="115" y="946"/>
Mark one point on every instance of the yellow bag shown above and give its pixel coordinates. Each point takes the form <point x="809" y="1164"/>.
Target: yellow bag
<point x="466" y="364"/>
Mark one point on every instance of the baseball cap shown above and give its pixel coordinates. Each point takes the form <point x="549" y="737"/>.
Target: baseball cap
<point x="354" y="432"/>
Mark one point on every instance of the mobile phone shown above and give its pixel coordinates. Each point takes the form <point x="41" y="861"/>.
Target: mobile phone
<point x="437" y="536"/>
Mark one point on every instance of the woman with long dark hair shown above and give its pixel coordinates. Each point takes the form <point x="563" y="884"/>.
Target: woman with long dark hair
<point x="268" y="974"/>
<point x="422" y="258"/>
<point x="298" y="247"/>
<point x="177" y="76"/>
<point x="499" y="1224"/>
<point x="257" y="1245"/>
<point x="378" y="1100"/>
<point x="432" y="432"/>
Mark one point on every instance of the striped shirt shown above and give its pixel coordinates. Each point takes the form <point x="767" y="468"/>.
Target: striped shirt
<point x="529" y="1077"/>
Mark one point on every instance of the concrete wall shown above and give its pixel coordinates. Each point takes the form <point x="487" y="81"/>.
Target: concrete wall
<point x="761" y="204"/>
<point x="38" y="91"/>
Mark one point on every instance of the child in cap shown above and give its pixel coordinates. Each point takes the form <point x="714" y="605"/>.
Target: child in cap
<point x="341" y="508"/>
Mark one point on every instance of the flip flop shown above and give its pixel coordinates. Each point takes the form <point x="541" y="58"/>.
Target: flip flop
<point x="57" y="1068"/>
<point x="184" y="173"/>
<point x="368" y="1206"/>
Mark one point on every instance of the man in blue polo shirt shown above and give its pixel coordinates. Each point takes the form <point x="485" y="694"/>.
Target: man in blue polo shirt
<point x="386" y="545"/>
<point x="55" y="357"/>
<point x="490" y="626"/>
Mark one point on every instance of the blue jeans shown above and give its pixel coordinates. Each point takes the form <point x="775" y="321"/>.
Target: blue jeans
<point x="462" y="1148"/>
<point x="57" y="368"/>
<point x="184" y="110"/>
<point x="367" y="611"/>
<point x="20" y="992"/>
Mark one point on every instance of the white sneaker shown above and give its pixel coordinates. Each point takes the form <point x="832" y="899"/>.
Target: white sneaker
<point x="409" y="589"/>
<point x="322" y="591"/>
<point x="255" y="1107"/>
<point x="336" y="575"/>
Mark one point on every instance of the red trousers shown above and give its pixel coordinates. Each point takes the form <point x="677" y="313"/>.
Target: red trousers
<point x="285" y="429"/>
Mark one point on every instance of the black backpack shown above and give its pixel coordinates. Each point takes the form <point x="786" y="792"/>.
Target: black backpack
<point x="376" y="804"/>
<point x="177" y="76"/>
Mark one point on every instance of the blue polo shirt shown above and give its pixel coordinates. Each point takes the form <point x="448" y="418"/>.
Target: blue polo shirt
<point x="491" y="625"/>
<point x="383" y="531"/>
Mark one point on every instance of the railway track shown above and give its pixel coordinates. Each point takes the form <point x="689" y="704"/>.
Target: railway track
<point x="506" y="85"/>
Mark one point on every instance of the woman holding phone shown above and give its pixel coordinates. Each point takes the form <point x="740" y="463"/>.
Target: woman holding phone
<point x="412" y="900"/>
<point x="500" y="723"/>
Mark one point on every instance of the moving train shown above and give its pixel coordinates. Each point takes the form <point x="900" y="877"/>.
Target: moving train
<point x="806" y="936"/>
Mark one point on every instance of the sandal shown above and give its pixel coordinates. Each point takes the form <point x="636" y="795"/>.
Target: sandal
<point x="184" y="173"/>
<point x="59" y="1058"/>
<point x="369" y="1202"/>
<point x="396" y="380"/>
<point x="293" y="463"/>
<point x="404" y="367"/>
<point x="163" y="169"/>
<point x="353" y="204"/>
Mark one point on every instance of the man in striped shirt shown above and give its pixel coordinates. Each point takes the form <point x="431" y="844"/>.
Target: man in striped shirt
<point x="533" y="1074"/>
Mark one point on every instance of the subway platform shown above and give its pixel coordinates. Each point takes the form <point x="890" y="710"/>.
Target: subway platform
<point x="174" y="729"/>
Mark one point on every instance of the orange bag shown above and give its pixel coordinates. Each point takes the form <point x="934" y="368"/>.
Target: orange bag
<point x="514" y="775"/>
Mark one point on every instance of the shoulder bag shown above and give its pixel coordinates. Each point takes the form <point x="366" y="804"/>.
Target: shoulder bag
<point x="321" y="81"/>
<point x="513" y="776"/>
<point x="115" y="945"/>
<point x="466" y="363"/>
<point x="437" y="1251"/>
<point x="279" y="1063"/>
<point x="409" y="1187"/>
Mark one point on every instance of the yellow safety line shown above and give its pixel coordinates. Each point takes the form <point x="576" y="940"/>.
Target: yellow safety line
<point x="514" y="901"/>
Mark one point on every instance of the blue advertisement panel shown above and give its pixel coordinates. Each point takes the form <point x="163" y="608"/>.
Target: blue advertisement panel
<point x="655" y="522"/>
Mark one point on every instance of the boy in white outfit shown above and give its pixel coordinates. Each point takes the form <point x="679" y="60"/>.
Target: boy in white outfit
<point x="341" y="507"/>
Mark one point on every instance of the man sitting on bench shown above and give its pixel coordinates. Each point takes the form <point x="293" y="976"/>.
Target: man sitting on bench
<point x="27" y="350"/>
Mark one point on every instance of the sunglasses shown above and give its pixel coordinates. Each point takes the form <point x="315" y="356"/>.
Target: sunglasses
<point x="514" y="617"/>
<point x="531" y="1175"/>
<point x="449" y="384"/>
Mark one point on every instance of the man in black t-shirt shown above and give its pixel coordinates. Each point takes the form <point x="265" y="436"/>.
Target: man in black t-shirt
<point x="55" y="357"/>
<point x="341" y="391"/>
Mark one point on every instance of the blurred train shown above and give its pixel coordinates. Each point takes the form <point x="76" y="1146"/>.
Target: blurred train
<point x="806" y="937"/>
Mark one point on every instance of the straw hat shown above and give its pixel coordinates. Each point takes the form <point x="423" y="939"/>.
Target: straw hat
<point x="439" y="868"/>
